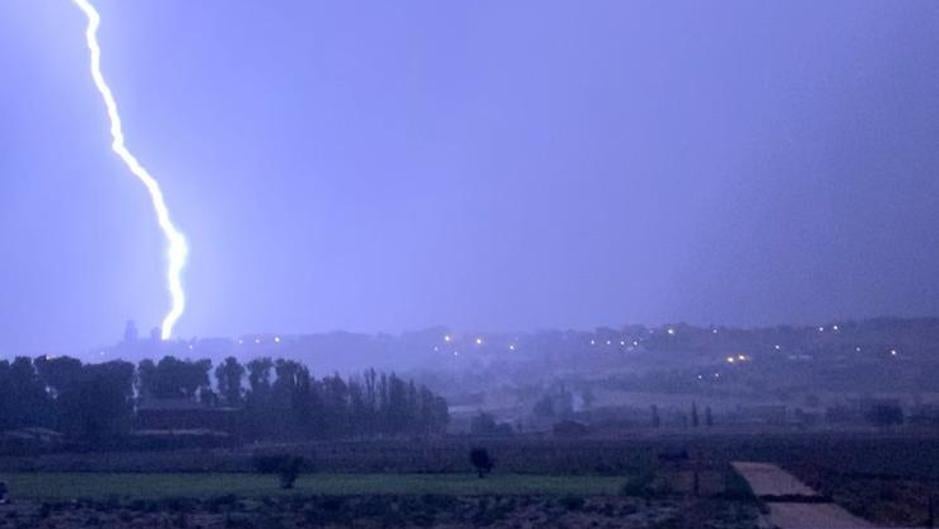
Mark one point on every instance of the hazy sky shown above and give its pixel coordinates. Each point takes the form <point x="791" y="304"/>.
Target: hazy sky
<point x="487" y="165"/>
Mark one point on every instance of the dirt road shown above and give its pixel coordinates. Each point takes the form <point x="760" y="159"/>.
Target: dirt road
<point x="767" y="479"/>
<point x="803" y="508"/>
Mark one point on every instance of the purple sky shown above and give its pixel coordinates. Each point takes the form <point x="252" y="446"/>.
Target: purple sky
<point x="488" y="165"/>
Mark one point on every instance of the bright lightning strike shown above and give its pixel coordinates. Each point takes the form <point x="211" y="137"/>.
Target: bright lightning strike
<point x="177" y="249"/>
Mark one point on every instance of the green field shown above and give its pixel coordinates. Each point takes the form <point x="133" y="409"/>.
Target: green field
<point x="62" y="486"/>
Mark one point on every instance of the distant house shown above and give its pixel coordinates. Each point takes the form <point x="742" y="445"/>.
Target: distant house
<point x="184" y="414"/>
<point x="774" y="414"/>
<point x="806" y="418"/>
<point x="925" y="415"/>
<point x="867" y="404"/>
<point x="673" y="455"/>
<point x="27" y="440"/>
<point x="570" y="429"/>
<point x="842" y="414"/>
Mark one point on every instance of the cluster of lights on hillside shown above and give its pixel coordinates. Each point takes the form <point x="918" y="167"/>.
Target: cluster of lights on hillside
<point x="735" y="359"/>
<point x="715" y="375"/>
<point x="455" y="346"/>
<point x="259" y="341"/>
<point x="622" y="343"/>
<point x="478" y="341"/>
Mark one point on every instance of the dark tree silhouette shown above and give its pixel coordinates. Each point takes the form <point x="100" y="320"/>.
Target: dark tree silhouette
<point x="99" y="405"/>
<point x="173" y="378"/>
<point x="290" y="471"/>
<point x="24" y="400"/>
<point x="481" y="461"/>
<point x="229" y="375"/>
<point x="259" y="376"/>
<point x="94" y="403"/>
<point x="59" y="374"/>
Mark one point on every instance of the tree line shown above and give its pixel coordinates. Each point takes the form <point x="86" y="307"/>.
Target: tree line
<point x="273" y="398"/>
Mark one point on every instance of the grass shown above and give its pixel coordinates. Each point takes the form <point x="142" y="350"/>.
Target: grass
<point x="64" y="486"/>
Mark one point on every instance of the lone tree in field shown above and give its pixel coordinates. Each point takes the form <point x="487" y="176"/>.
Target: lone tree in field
<point x="290" y="471"/>
<point x="481" y="460"/>
<point x="286" y="466"/>
<point x="694" y="414"/>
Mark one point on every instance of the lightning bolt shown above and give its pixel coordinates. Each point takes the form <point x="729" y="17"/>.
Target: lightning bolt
<point x="177" y="249"/>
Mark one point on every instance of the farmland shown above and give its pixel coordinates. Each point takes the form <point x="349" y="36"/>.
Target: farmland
<point x="65" y="486"/>
<point x="665" y="481"/>
<point x="887" y="454"/>
<point x="368" y="511"/>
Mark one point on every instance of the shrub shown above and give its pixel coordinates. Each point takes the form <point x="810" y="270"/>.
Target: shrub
<point x="286" y="466"/>
<point x="216" y="504"/>
<point x="290" y="471"/>
<point x="572" y="503"/>
<point x="268" y="464"/>
<point x="481" y="460"/>
<point x="736" y="487"/>
<point x="640" y="484"/>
